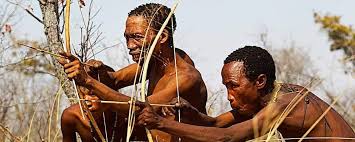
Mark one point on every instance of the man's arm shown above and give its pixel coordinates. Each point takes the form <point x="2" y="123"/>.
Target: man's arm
<point x="186" y="83"/>
<point x="238" y="132"/>
<point x="75" y="70"/>
<point x="125" y="76"/>
<point x="190" y="113"/>
<point x="119" y="79"/>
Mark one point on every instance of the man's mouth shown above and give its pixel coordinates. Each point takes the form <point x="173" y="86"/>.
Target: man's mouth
<point x="135" y="57"/>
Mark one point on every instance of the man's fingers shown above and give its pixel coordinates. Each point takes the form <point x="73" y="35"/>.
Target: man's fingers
<point x="76" y="62"/>
<point x="97" y="64"/>
<point x="72" y="69"/>
<point x="179" y="105"/>
<point x="143" y="115"/>
<point x="168" y="111"/>
<point x="171" y="110"/>
<point x="73" y="74"/>
<point x="62" y="61"/>
<point x="173" y="101"/>
<point x="90" y="108"/>
<point x="147" y="105"/>
<point x="140" y="104"/>
<point x="94" y="63"/>
<point x="141" y="122"/>
<point x="163" y="111"/>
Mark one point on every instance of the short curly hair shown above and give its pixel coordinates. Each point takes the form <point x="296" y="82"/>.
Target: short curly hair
<point x="157" y="14"/>
<point x="256" y="61"/>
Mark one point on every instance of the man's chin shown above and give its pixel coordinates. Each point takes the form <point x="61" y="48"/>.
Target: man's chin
<point x="239" y="108"/>
<point x="137" y="60"/>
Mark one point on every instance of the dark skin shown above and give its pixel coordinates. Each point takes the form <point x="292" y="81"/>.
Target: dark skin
<point x="250" y="103"/>
<point x="161" y="74"/>
<point x="72" y="115"/>
<point x="72" y="121"/>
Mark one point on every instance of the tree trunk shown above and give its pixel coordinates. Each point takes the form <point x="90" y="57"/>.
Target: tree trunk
<point x="50" y="15"/>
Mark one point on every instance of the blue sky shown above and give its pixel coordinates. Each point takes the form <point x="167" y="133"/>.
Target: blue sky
<point x="209" y="30"/>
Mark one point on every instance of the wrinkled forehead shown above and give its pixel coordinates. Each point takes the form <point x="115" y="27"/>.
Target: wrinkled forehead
<point x="233" y="69"/>
<point x="136" y="24"/>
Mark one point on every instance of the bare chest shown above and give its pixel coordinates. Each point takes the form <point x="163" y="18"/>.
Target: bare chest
<point x="156" y="83"/>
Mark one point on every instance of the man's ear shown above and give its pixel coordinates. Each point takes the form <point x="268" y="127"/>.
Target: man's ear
<point x="260" y="82"/>
<point x="164" y="36"/>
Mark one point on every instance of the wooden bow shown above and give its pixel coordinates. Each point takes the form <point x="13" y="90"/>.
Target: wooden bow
<point x="79" y="95"/>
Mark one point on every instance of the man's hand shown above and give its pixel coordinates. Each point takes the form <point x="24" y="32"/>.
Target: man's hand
<point x="93" y="66"/>
<point x="186" y="109"/>
<point x="149" y="118"/>
<point x="92" y="103"/>
<point x="74" y="69"/>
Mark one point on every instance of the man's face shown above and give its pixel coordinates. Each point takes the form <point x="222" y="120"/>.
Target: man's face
<point x="242" y="93"/>
<point x="136" y="27"/>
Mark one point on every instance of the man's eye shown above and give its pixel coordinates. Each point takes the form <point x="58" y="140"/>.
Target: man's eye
<point x="234" y="85"/>
<point x="137" y="36"/>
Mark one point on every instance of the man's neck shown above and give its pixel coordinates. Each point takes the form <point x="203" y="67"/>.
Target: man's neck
<point x="264" y="101"/>
<point x="163" y="61"/>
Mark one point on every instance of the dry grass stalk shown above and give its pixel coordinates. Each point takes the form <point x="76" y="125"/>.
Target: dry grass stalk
<point x="8" y="134"/>
<point x="31" y="122"/>
<point x="43" y="51"/>
<point x="56" y="99"/>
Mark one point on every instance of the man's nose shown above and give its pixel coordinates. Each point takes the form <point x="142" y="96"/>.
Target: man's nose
<point x="230" y="96"/>
<point x="131" y="45"/>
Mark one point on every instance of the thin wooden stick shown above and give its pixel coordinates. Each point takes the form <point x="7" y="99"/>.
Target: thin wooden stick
<point x="122" y="103"/>
<point x="8" y="134"/>
<point x="50" y="53"/>
<point x="43" y="51"/>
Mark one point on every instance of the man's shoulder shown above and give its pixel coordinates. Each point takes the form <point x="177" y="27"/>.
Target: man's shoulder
<point x="287" y="87"/>
<point x="190" y="76"/>
<point x="293" y="90"/>
<point x="190" y="71"/>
